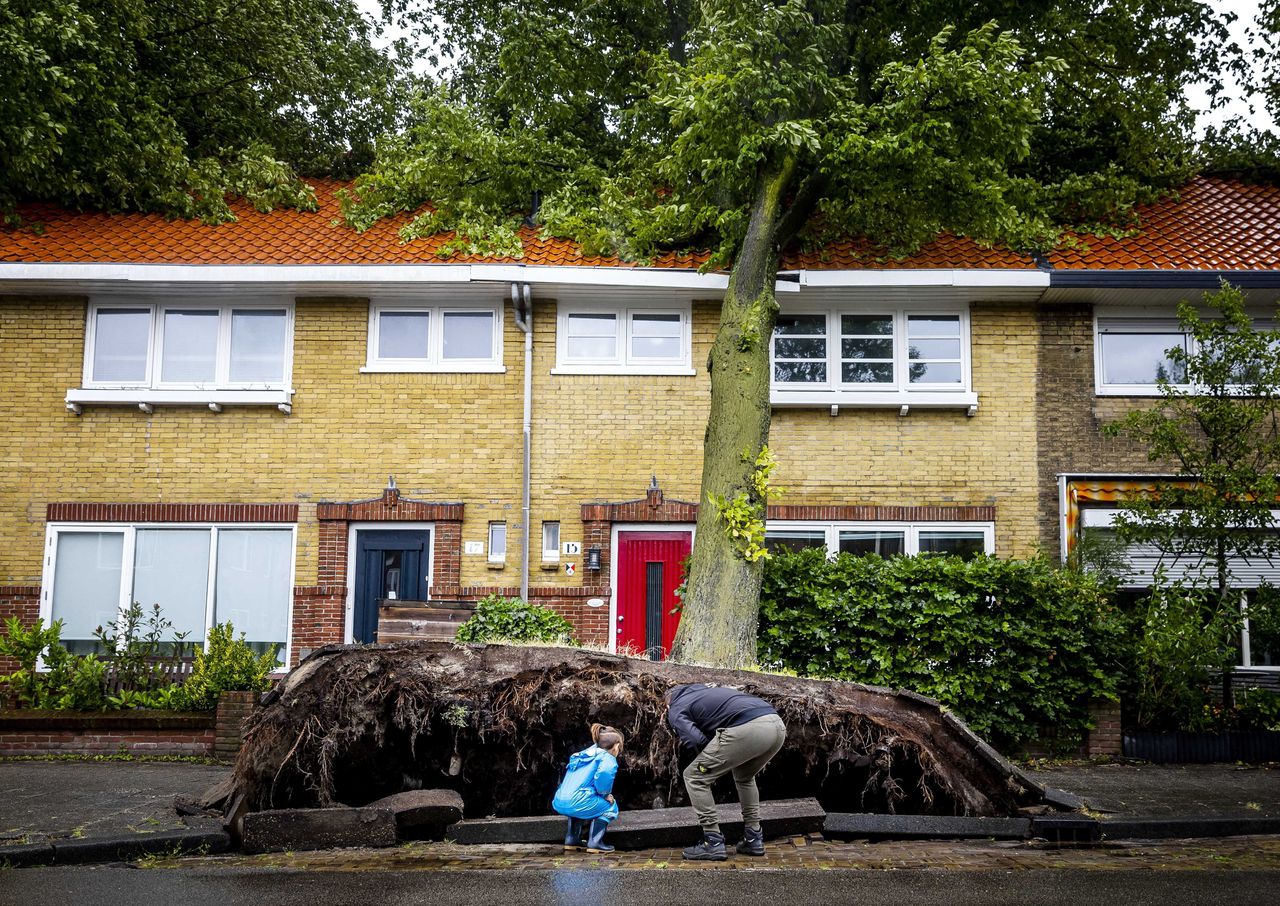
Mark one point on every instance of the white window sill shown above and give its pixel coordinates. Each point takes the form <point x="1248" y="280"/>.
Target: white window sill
<point x="876" y="399"/>
<point x="1131" y="390"/>
<point x="390" y="368"/>
<point x="145" y="399"/>
<point x="638" y="370"/>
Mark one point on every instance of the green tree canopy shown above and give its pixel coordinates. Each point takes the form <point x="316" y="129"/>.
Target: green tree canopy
<point x="740" y="126"/>
<point x="136" y="105"/>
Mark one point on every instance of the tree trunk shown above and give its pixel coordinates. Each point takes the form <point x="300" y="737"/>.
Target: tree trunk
<point x="721" y="602"/>
<point x="497" y="723"/>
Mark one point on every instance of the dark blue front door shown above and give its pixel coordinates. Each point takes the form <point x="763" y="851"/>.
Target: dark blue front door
<point x="389" y="564"/>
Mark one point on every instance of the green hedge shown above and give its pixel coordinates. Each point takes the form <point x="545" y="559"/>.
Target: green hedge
<point x="1015" y="647"/>
<point x="499" y="619"/>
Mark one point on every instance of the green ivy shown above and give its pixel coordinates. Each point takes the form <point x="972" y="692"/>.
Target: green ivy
<point x="1015" y="647"/>
<point x="743" y="516"/>
<point x="513" y="620"/>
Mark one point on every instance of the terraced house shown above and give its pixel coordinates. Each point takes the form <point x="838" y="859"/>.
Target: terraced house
<point x="284" y="423"/>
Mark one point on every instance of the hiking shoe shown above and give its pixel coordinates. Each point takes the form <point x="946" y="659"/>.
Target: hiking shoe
<point x="710" y="849"/>
<point x="752" y="842"/>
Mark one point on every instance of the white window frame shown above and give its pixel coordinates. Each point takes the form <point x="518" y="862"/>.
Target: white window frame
<point x="152" y="391"/>
<point x="1159" y="320"/>
<point x="502" y="557"/>
<point x="911" y="531"/>
<point x="130" y="531"/>
<point x="623" y="362"/>
<point x="901" y="392"/>
<point x="155" y="344"/>
<point x="434" y="362"/>
<point x="550" y="554"/>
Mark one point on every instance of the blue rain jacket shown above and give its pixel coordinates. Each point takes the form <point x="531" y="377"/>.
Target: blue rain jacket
<point x="586" y="783"/>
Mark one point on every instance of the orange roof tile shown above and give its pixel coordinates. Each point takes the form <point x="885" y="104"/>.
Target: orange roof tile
<point x="1215" y="225"/>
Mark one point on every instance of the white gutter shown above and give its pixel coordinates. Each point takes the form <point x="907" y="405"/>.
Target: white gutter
<point x="417" y="274"/>
<point x="522" y="302"/>
<point x="977" y="277"/>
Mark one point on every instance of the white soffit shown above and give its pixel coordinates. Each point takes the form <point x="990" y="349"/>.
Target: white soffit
<point x="1129" y="297"/>
<point x="923" y="286"/>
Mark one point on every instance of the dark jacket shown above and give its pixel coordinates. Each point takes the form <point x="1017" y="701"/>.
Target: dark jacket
<point x="696" y="711"/>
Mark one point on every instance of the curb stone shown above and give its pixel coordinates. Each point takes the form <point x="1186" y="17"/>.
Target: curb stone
<point x="115" y="849"/>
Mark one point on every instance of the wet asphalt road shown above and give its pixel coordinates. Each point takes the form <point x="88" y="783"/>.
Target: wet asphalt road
<point x="111" y="885"/>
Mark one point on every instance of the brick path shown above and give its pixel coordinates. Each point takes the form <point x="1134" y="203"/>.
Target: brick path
<point x="1245" y="853"/>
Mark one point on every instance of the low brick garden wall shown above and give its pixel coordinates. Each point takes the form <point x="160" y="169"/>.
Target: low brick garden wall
<point x="142" y="732"/>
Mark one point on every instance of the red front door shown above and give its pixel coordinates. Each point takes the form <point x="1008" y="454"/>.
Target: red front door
<point x="649" y="571"/>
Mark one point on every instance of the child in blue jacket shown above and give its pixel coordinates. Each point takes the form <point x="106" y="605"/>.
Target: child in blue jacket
<point x="585" y="796"/>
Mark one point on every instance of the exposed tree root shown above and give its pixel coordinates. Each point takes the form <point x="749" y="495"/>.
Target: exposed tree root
<point x="498" y="723"/>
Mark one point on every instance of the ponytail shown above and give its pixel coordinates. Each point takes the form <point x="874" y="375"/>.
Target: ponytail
<point x="605" y="737"/>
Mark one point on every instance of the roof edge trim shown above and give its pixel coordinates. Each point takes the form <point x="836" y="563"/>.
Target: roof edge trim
<point x="958" y="277"/>
<point x="1162" y="279"/>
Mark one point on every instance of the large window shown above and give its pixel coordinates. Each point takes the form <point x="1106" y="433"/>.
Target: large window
<point x="617" y="340"/>
<point x="1131" y="353"/>
<point x="873" y="356"/>
<point x="887" y="539"/>
<point x="439" y="338"/>
<point x="171" y="346"/>
<point x="199" y="575"/>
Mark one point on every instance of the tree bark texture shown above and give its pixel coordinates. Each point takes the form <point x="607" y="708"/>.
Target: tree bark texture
<point x="353" y="724"/>
<point x="720" y="607"/>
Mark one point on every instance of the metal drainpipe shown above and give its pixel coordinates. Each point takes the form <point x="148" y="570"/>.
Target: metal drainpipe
<point x="522" y="302"/>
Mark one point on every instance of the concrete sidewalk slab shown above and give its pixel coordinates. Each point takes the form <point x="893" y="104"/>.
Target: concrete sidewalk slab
<point x="55" y="800"/>
<point x="1127" y="790"/>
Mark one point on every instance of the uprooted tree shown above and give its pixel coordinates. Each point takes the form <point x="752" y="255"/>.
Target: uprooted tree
<point x="742" y="126"/>
<point x="353" y="724"/>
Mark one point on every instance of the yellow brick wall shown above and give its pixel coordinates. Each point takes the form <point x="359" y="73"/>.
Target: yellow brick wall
<point x="931" y="457"/>
<point x="444" y="437"/>
<point x="457" y="437"/>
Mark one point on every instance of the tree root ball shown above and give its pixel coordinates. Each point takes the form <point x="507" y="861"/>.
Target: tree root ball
<point x="497" y="723"/>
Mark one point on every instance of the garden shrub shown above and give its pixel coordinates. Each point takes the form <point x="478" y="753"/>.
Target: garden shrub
<point x="1014" y="647"/>
<point x="230" y="665"/>
<point x="1259" y="709"/>
<point x="137" y="644"/>
<point x="67" y="682"/>
<point x="1181" y="640"/>
<point x="70" y="682"/>
<point x="499" y="619"/>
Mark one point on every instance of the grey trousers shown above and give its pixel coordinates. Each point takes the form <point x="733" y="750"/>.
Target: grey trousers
<point x="744" y="750"/>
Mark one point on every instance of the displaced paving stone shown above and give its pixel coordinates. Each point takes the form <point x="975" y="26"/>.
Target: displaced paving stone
<point x="850" y="825"/>
<point x="1063" y="799"/>
<point x="422" y="814"/>
<point x="648" y="828"/>
<point x="317" y="828"/>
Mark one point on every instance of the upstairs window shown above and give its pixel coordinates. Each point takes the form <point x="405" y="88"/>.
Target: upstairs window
<point x="1133" y="354"/>
<point x="869" y="356"/>
<point x="439" y="338"/>
<point x="161" y="346"/>
<point x="623" y="341"/>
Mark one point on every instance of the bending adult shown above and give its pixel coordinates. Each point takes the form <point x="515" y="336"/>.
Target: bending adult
<point x="731" y="732"/>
